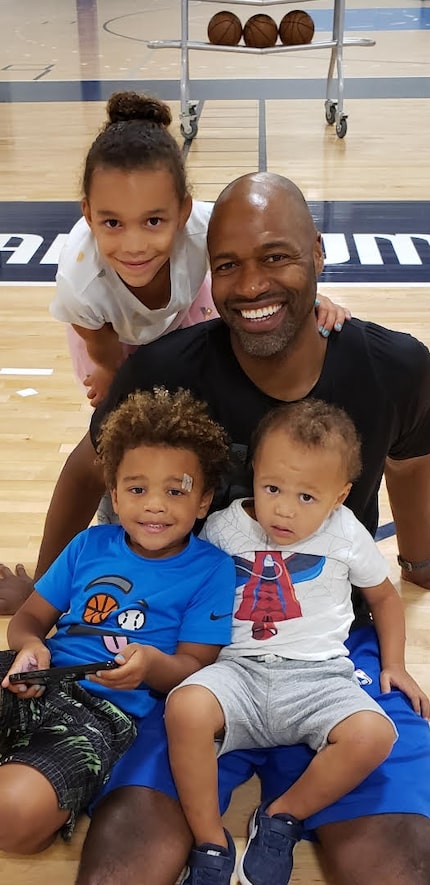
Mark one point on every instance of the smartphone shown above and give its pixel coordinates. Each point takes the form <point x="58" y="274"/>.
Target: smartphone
<point x="57" y="674"/>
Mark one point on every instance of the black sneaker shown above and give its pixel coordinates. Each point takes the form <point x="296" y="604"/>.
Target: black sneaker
<point x="268" y="856"/>
<point x="211" y="864"/>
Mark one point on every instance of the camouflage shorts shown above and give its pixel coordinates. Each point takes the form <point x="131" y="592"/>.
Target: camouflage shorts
<point x="72" y="737"/>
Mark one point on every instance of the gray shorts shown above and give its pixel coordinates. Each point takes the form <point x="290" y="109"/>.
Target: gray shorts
<point x="271" y="701"/>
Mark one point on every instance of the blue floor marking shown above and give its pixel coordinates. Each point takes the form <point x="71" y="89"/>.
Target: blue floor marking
<point x="375" y="19"/>
<point x="364" y="241"/>
<point x="223" y="90"/>
<point x="385" y="531"/>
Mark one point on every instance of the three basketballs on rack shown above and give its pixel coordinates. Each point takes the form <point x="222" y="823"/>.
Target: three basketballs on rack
<point x="261" y="31"/>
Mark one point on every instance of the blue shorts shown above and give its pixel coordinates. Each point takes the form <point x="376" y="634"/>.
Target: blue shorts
<point x="400" y="785"/>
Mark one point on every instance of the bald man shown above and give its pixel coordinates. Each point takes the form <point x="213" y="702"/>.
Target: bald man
<point x="266" y="256"/>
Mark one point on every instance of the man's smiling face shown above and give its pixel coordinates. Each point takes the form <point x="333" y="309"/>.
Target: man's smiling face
<point x="265" y="256"/>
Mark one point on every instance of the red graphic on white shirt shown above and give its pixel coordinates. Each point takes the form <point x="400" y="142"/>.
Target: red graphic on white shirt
<point x="269" y="594"/>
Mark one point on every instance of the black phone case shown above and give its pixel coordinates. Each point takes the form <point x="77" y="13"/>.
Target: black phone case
<point x="56" y="674"/>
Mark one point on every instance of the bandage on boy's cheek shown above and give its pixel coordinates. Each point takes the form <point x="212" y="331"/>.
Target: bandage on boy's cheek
<point x="187" y="482"/>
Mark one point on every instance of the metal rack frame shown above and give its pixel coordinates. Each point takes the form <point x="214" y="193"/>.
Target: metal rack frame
<point x="333" y="104"/>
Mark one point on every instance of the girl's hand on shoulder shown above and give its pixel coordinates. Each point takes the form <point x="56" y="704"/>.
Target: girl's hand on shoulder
<point x="330" y="315"/>
<point x="32" y="657"/>
<point x="398" y="677"/>
<point x="98" y="384"/>
<point x="134" y="662"/>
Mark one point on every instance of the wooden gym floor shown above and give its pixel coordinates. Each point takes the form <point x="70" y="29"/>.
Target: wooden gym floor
<point x="59" y="63"/>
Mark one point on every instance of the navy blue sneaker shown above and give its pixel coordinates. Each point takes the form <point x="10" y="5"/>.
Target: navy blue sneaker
<point x="211" y="864"/>
<point x="268" y="856"/>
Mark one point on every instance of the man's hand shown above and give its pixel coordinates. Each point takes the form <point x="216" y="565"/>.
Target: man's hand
<point x="14" y="588"/>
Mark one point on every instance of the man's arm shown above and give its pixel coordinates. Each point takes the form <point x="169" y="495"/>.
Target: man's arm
<point x="73" y="504"/>
<point x="408" y="485"/>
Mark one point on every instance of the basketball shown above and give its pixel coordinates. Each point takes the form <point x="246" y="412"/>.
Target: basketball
<point x="260" y="31"/>
<point x="98" y="608"/>
<point x="225" y="29"/>
<point x="296" y="27"/>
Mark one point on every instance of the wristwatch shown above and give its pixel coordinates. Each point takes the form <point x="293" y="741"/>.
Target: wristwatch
<point x="412" y="566"/>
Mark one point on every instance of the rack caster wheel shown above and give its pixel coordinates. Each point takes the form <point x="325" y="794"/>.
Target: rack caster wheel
<point x="189" y="126"/>
<point x="330" y="112"/>
<point x="341" y="127"/>
<point x="189" y="130"/>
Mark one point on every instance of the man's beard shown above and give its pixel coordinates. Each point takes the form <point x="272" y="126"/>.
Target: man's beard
<point x="267" y="344"/>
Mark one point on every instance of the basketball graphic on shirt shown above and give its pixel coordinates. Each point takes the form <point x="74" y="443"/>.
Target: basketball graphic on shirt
<point x="98" y="608"/>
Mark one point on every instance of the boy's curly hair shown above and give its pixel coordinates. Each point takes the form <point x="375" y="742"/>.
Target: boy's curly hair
<point x="161" y="418"/>
<point x="315" y="424"/>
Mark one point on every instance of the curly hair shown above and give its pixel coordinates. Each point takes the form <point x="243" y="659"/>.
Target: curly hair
<point x="161" y="418"/>
<point x="136" y="137"/>
<point x="315" y="424"/>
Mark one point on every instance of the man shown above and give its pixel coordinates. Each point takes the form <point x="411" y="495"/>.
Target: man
<point x="265" y="258"/>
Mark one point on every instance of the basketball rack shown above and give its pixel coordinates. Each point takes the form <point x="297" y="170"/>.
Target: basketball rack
<point x="333" y="104"/>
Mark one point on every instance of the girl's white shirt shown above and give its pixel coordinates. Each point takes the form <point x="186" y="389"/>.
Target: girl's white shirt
<point x="89" y="293"/>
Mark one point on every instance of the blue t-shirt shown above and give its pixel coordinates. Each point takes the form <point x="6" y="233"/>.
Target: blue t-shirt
<point x="111" y="596"/>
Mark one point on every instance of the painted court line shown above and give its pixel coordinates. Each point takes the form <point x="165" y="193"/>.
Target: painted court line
<point x="17" y="371"/>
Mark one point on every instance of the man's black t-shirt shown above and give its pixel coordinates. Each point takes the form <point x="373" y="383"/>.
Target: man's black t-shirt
<point x="380" y="377"/>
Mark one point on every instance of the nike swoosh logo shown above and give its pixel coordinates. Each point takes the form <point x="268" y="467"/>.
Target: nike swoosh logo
<point x="253" y="829"/>
<point x="215" y="617"/>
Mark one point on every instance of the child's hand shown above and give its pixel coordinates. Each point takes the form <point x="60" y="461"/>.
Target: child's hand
<point x="330" y="315"/>
<point x="398" y="677"/>
<point x="134" y="662"/>
<point x="98" y="384"/>
<point x="31" y="657"/>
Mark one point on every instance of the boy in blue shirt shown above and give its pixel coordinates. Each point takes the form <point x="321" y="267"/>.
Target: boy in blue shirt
<point x="145" y="592"/>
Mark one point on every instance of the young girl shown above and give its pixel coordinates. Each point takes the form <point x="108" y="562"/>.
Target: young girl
<point x="135" y="266"/>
